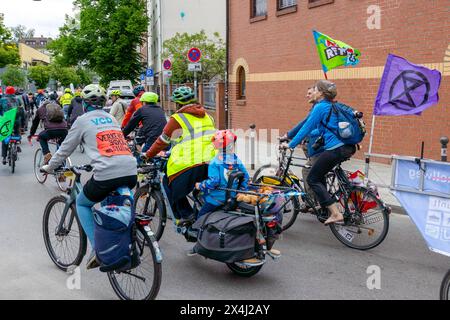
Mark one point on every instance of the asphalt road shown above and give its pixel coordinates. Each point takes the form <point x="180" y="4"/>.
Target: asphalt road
<point x="314" y="264"/>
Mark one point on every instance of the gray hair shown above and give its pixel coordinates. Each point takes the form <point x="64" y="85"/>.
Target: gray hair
<point x="327" y="89"/>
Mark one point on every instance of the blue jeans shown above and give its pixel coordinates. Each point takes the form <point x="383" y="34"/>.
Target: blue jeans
<point x="207" y="208"/>
<point x="84" y="211"/>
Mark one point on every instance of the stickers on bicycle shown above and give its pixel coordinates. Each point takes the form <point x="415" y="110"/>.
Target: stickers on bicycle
<point x="345" y="233"/>
<point x="112" y="143"/>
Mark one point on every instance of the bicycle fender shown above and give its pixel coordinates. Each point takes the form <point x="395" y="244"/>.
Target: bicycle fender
<point x="154" y="243"/>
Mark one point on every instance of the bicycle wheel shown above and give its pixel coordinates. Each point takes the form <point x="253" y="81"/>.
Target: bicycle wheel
<point x="265" y="170"/>
<point x="37" y="164"/>
<point x="243" y="271"/>
<point x="143" y="282"/>
<point x="81" y="148"/>
<point x="62" y="181"/>
<point x="151" y="204"/>
<point x="13" y="157"/>
<point x="67" y="247"/>
<point x="445" y="287"/>
<point x="369" y="221"/>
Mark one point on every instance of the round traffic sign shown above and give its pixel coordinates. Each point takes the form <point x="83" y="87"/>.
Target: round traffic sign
<point x="167" y="64"/>
<point x="194" y="55"/>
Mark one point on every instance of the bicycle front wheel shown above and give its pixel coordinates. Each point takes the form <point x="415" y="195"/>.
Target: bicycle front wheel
<point x="151" y="203"/>
<point x="445" y="287"/>
<point x="144" y="281"/>
<point x="368" y="222"/>
<point x="62" y="181"/>
<point x="37" y="164"/>
<point x="13" y="157"/>
<point x="67" y="245"/>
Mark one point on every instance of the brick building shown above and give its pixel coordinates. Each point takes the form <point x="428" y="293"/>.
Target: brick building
<point x="273" y="60"/>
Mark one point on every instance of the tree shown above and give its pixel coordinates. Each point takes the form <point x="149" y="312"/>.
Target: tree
<point x="104" y="38"/>
<point x="20" y="32"/>
<point x="9" y="53"/>
<point x="40" y="74"/>
<point x="213" y="55"/>
<point x="64" y="75"/>
<point x="13" y="76"/>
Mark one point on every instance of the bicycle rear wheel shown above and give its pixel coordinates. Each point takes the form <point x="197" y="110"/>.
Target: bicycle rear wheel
<point x="37" y="164"/>
<point x="243" y="271"/>
<point x="151" y="203"/>
<point x="144" y="281"/>
<point x="13" y="157"/>
<point x="445" y="287"/>
<point x="67" y="247"/>
<point x="369" y="219"/>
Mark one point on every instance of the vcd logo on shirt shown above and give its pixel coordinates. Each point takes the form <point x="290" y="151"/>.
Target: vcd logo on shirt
<point x="103" y="120"/>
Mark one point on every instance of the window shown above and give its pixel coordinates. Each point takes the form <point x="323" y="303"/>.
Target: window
<point x="259" y="8"/>
<point x="316" y="3"/>
<point x="241" y="83"/>
<point x="283" y="4"/>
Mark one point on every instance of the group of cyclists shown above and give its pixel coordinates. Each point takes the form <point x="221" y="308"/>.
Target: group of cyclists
<point x="189" y="137"/>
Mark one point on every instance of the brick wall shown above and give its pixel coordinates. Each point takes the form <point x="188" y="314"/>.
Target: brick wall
<point x="416" y="30"/>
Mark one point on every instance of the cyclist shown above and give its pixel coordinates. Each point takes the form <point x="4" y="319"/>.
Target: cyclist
<point x="114" y="166"/>
<point x="152" y="117"/>
<point x="119" y="107"/>
<point x="55" y="127"/>
<point x="335" y="151"/>
<point x="65" y="101"/>
<point x="75" y="109"/>
<point x="192" y="129"/>
<point x="39" y="97"/>
<point x="7" y="102"/>
<point x="134" y="105"/>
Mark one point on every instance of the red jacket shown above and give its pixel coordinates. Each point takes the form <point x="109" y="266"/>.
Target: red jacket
<point x="134" y="105"/>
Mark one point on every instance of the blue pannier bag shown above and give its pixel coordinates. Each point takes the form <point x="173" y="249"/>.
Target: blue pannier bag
<point x="114" y="233"/>
<point x="351" y="127"/>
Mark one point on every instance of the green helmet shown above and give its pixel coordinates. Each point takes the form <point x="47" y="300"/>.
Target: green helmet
<point x="94" y="94"/>
<point x="68" y="90"/>
<point x="149" y="97"/>
<point x="183" y="95"/>
<point x="116" y="93"/>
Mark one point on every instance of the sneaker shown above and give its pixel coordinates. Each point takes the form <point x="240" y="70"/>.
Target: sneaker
<point x="47" y="158"/>
<point x="4" y="161"/>
<point x="19" y="149"/>
<point x="92" y="262"/>
<point x="62" y="178"/>
<point x="253" y="262"/>
<point x="185" y="221"/>
<point x="274" y="253"/>
<point x="191" y="253"/>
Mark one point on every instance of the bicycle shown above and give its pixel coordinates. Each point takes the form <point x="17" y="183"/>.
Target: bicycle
<point x="62" y="229"/>
<point x="13" y="150"/>
<point x="151" y="199"/>
<point x="61" y="180"/>
<point x="359" y="205"/>
<point x="445" y="287"/>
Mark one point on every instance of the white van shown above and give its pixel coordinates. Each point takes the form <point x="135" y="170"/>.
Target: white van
<point x="123" y="85"/>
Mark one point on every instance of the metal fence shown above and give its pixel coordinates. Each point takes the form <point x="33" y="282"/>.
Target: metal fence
<point x="209" y="95"/>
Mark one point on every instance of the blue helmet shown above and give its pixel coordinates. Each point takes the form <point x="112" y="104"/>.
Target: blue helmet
<point x="138" y="89"/>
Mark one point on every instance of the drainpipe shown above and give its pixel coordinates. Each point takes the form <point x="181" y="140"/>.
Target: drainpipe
<point x="227" y="65"/>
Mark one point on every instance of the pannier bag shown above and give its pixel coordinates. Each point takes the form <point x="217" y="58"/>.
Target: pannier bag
<point x="226" y="237"/>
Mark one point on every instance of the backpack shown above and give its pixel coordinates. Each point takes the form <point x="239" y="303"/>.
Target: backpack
<point x="225" y="237"/>
<point x="54" y="113"/>
<point x="115" y="233"/>
<point x="351" y="129"/>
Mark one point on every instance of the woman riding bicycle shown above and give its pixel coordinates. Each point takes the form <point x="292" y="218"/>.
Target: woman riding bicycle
<point x="334" y="150"/>
<point x="114" y="166"/>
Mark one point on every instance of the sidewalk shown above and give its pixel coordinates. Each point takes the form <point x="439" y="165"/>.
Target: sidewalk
<point x="266" y="153"/>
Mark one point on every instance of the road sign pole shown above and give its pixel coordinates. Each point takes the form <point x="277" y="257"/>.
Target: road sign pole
<point x="195" y="84"/>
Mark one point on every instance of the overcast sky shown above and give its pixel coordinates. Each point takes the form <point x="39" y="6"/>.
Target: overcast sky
<point x="45" y="16"/>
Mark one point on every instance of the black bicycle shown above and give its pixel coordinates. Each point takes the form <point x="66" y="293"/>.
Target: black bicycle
<point x="445" y="287"/>
<point x="366" y="216"/>
<point x="13" y="151"/>
<point x="66" y="244"/>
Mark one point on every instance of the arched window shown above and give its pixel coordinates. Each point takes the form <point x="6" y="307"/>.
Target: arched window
<point x="241" y="83"/>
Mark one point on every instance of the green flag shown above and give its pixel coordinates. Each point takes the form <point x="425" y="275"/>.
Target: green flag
<point x="7" y="123"/>
<point x="335" y="53"/>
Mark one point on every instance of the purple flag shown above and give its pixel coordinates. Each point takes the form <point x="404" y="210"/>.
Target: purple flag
<point x="406" y="88"/>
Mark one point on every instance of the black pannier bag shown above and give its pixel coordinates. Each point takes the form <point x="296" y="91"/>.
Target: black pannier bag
<point x="226" y="237"/>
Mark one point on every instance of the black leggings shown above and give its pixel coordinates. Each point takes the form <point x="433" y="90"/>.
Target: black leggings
<point x="97" y="191"/>
<point x="324" y="163"/>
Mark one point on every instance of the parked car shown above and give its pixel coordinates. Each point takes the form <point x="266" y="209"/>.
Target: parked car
<point x="123" y="85"/>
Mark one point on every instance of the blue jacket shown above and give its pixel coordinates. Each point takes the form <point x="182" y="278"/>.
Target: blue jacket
<point x="316" y="121"/>
<point x="219" y="170"/>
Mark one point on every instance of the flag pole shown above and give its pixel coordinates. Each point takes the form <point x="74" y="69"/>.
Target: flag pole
<point x="372" y="129"/>
<point x="326" y="77"/>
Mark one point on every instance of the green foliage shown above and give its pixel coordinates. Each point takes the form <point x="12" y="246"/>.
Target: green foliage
<point x="64" y="75"/>
<point x="40" y="74"/>
<point x="104" y="37"/>
<point x="9" y="53"/>
<point x="20" y="32"/>
<point x="13" y="76"/>
<point x="213" y="55"/>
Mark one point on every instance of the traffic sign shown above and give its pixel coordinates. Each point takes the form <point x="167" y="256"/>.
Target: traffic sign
<point x="194" y="55"/>
<point x="149" y="73"/>
<point x="167" y="64"/>
<point x="142" y="77"/>
<point x="150" y="81"/>
<point x="167" y="73"/>
<point x="195" y="67"/>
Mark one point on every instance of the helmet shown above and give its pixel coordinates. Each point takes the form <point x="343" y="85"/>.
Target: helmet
<point x="94" y="94"/>
<point x="10" y="90"/>
<point x="77" y="93"/>
<point x="149" y="97"/>
<point x="116" y="93"/>
<point x="183" y="95"/>
<point x="223" y="138"/>
<point x="53" y="96"/>
<point x="68" y="90"/>
<point x="138" y="89"/>
<point x="41" y="91"/>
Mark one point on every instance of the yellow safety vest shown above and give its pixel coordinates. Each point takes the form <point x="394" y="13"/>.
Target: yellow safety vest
<point x="194" y="146"/>
<point x="66" y="99"/>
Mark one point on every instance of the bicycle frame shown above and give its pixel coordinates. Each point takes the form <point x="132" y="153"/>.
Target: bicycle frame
<point x="71" y="197"/>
